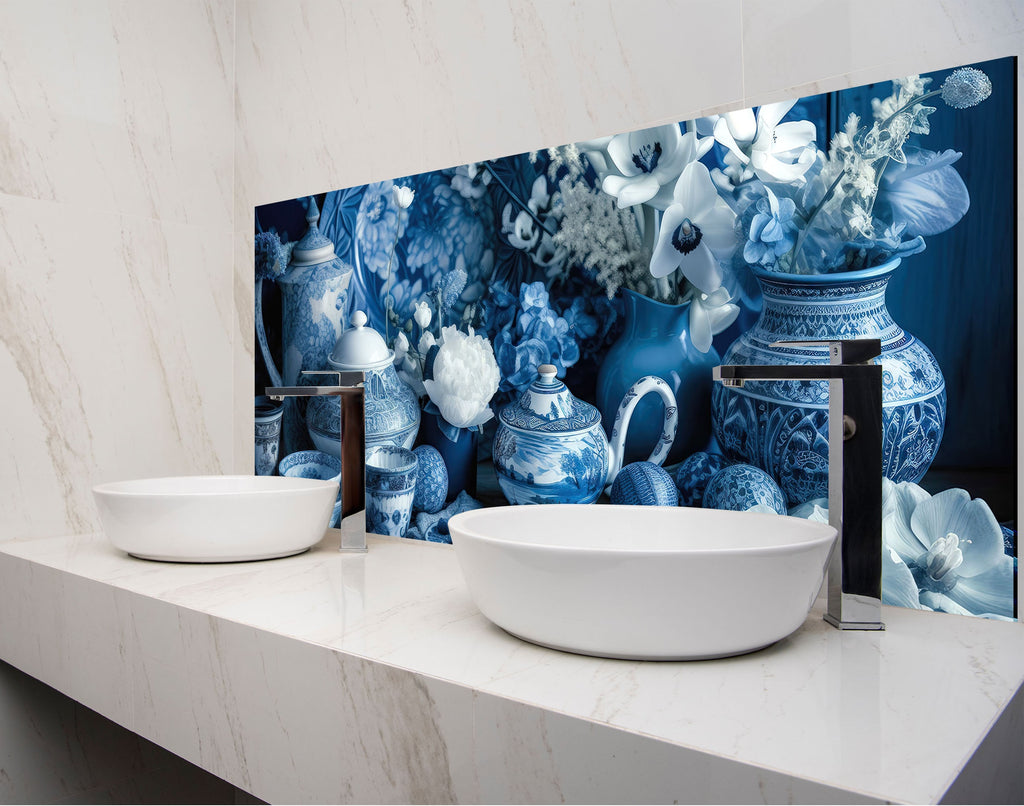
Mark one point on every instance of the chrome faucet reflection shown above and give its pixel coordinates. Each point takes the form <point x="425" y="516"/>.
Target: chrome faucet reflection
<point x="854" y="470"/>
<point x="349" y="388"/>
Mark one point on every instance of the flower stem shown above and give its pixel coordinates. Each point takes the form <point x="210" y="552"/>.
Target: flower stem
<point x="912" y="102"/>
<point x="387" y="284"/>
<point x="524" y="207"/>
<point x="810" y="219"/>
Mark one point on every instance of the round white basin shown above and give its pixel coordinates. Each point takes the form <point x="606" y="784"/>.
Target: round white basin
<point x="649" y="583"/>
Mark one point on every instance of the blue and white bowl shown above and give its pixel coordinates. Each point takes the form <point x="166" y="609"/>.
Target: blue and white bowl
<point x="314" y="465"/>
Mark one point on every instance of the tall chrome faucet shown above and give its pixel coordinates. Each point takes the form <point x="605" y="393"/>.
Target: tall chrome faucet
<point x="854" y="470"/>
<point x="352" y="431"/>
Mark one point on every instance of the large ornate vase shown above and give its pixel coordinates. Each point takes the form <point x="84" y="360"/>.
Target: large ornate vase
<point x="782" y="426"/>
<point x="656" y="341"/>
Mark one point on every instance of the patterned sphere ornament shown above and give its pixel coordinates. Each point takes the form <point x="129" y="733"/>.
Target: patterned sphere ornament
<point x="740" y="487"/>
<point x="693" y="475"/>
<point x="646" y="484"/>
<point x="431" y="480"/>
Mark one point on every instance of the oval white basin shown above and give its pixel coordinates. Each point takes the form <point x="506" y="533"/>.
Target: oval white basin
<point x="209" y="519"/>
<point x="646" y="583"/>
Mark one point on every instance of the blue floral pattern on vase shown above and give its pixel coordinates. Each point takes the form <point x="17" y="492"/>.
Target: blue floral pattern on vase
<point x="782" y="426"/>
<point x="656" y="341"/>
<point x="693" y="475"/>
<point x="742" y="487"/>
<point x="644" y="484"/>
<point x="431" y="480"/>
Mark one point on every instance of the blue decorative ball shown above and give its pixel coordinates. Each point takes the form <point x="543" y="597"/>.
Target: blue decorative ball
<point x="644" y="483"/>
<point x="431" y="480"/>
<point x="740" y="487"/>
<point x="693" y="475"/>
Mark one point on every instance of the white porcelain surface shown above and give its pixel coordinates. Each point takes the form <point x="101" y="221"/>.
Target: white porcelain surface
<point x="649" y="583"/>
<point x="374" y="678"/>
<point x="201" y="519"/>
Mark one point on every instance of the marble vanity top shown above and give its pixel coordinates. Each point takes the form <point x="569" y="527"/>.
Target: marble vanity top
<point x="373" y="678"/>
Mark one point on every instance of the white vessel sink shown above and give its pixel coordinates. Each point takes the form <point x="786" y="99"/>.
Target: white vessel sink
<point x="647" y="583"/>
<point x="209" y="519"/>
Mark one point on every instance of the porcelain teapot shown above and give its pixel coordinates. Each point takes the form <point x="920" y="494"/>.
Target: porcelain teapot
<point x="392" y="410"/>
<point x="550" y="447"/>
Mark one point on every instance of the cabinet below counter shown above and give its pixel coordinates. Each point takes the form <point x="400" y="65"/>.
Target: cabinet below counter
<point x="373" y="679"/>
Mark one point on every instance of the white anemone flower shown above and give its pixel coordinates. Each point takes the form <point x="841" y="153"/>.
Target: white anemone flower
<point x="640" y="167"/>
<point x="403" y="195"/>
<point x="465" y="378"/>
<point x="710" y="314"/>
<point x="953" y="546"/>
<point x="696" y="231"/>
<point x="781" y="152"/>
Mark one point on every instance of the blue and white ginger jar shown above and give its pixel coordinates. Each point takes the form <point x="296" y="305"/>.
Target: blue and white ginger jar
<point x="550" y="448"/>
<point x="782" y="426"/>
<point x="392" y="411"/>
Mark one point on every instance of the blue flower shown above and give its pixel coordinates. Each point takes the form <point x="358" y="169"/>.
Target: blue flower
<point x="376" y="222"/>
<point x="953" y="547"/>
<point x="772" y="230"/>
<point x="441" y="229"/>
<point x="925" y="194"/>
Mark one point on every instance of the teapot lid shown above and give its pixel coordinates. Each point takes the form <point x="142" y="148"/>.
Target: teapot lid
<point x="315" y="247"/>
<point x="360" y="347"/>
<point x="548" y="406"/>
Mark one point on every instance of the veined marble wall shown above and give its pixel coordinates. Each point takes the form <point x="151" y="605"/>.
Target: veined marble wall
<point x="116" y="308"/>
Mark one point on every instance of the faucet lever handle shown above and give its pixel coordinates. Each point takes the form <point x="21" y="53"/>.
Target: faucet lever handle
<point x="841" y="351"/>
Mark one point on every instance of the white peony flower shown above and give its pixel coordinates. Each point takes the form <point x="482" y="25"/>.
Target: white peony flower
<point x="403" y="195"/>
<point x="465" y="378"/>
<point x="422" y="314"/>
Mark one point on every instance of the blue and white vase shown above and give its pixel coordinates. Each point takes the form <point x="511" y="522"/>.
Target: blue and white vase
<point x="782" y="426"/>
<point x="657" y="342"/>
<point x="314" y="295"/>
<point x="268" y="415"/>
<point x="550" y="447"/>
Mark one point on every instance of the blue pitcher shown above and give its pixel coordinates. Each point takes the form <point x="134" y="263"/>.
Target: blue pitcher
<point x="314" y="295"/>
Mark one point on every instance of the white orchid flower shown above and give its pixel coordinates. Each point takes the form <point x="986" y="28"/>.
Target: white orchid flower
<point x="781" y="152"/>
<point x="696" y="231"/>
<point x="640" y="167"/>
<point x="954" y="547"/>
<point x="710" y="314"/>
<point x="465" y="378"/>
<point x="403" y="195"/>
<point x="422" y="314"/>
<point x="401" y="347"/>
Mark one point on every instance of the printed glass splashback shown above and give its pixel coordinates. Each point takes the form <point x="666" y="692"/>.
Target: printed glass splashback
<point x="542" y="327"/>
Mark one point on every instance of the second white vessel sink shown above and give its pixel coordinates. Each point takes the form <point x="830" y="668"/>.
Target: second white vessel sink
<point x="207" y="519"/>
<point x="647" y="583"/>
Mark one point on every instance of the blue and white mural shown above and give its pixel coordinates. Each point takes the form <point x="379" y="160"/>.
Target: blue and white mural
<point x="884" y="211"/>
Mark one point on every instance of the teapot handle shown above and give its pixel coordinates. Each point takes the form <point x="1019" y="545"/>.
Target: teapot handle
<point x="647" y="384"/>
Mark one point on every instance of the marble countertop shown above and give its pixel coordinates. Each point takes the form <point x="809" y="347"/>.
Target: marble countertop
<point x="373" y="678"/>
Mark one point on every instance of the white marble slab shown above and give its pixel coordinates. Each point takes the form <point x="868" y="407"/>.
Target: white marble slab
<point x="328" y="677"/>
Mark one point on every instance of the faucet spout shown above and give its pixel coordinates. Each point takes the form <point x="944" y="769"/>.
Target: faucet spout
<point x="854" y="470"/>
<point x="352" y="435"/>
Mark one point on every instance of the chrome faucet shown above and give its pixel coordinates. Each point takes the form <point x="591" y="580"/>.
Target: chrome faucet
<point x="352" y="434"/>
<point x="854" y="470"/>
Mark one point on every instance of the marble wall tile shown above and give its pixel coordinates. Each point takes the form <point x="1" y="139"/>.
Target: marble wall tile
<point x="817" y="46"/>
<point x="115" y="344"/>
<point x="119" y="106"/>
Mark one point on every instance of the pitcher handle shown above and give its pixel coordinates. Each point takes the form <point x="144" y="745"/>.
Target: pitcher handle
<point x="647" y="384"/>
<point x="261" y="337"/>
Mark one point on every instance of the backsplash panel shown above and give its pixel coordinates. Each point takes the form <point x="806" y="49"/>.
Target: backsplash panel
<point x="499" y="251"/>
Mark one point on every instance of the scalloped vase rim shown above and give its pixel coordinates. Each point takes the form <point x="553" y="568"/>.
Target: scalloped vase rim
<point x="830" y="278"/>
